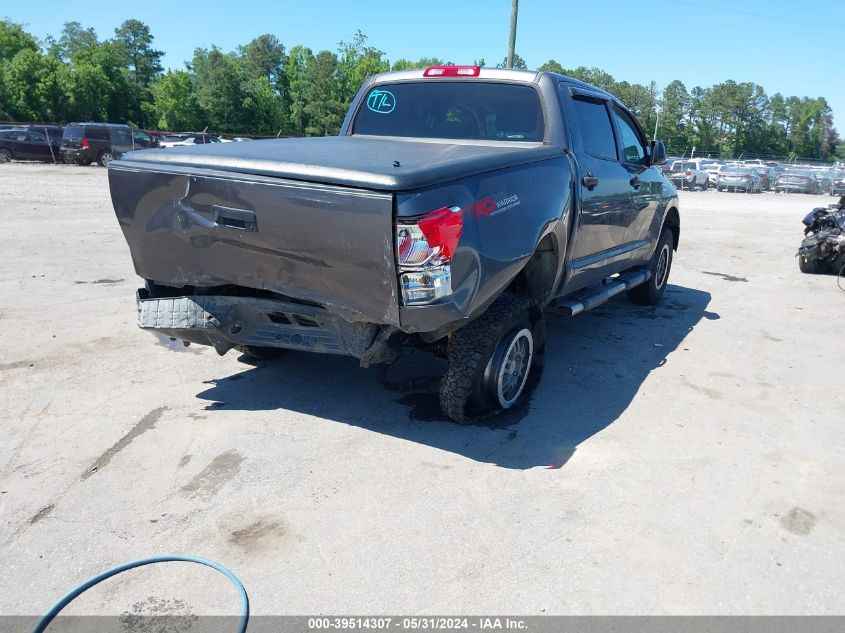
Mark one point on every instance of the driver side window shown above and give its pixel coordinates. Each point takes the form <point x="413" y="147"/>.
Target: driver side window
<point x="633" y="150"/>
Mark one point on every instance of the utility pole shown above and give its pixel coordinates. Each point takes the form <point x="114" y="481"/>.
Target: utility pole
<point x="512" y="40"/>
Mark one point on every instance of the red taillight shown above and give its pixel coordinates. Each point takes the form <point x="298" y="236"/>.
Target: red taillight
<point x="85" y="143"/>
<point x="452" y="71"/>
<point x="442" y="229"/>
<point x="689" y="172"/>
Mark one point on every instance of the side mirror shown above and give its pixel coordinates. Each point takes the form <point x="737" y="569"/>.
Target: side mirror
<point x="658" y="153"/>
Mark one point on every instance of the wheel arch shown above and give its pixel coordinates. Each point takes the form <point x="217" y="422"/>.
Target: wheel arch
<point x="672" y="221"/>
<point x="539" y="275"/>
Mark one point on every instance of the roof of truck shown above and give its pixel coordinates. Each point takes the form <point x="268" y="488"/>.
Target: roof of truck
<point x="506" y="74"/>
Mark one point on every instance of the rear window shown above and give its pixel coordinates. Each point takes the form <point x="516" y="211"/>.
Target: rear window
<point x="73" y="132"/>
<point x="97" y="133"/>
<point x="452" y="110"/>
<point x="121" y="137"/>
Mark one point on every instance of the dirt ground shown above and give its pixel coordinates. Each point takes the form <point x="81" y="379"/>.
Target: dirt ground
<point x="684" y="459"/>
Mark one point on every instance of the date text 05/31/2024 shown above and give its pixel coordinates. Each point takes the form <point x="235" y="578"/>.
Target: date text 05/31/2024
<point x="416" y="623"/>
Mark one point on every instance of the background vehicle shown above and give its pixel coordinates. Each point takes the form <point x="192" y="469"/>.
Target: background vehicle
<point x="142" y="140"/>
<point x="454" y="207"/>
<point x="823" y="247"/>
<point x="837" y="185"/>
<point x="53" y="132"/>
<point x="182" y="140"/>
<point x="797" y="180"/>
<point x="739" y="177"/>
<point x="688" y="174"/>
<point x="84" y="143"/>
<point x="767" y="176"/>
<point x="712" y="170"/>
<point x="824" y="180"/>
<point x="26" y="145"/>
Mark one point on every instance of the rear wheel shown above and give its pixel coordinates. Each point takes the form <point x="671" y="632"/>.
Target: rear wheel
<point x="104" y="158"/>
<point x="5" y="155"/>
<point x="809" y="265"/>
<point x="651" y="291"/>
<point x="491" y="360"/>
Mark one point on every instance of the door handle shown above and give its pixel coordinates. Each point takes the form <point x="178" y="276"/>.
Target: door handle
<point x="241" y="219"/>
<point x="635" y="182"/>
<point x="589" y="181"/>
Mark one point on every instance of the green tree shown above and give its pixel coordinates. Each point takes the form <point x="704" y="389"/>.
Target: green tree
<point x="31" y="87"/>
<point x="262" y="109"/>
<point x="133" y="43"/>
<point x="96" y="85"/>
<point x="296" y="68"/>
<point x="264" y="57"/>
<point x="13" y="39"/>
<point x="218" y="85"/>
<point x="552" y="66"/>
<point x="174" y="103"/>
<point x="423" y="62"/>
<point x="73" y="39"/>
<point x="324" y="106"/>
<point x="518" y="62"/>
<point x="672" y="127"/>
<point x="356" y="61"/>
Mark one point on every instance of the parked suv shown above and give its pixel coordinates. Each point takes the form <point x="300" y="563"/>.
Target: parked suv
<point x="84" y="143"/>
<point x="23" y="144"/>
<point x="54" y="132"/>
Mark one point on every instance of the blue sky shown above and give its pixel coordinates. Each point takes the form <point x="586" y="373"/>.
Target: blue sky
<point x="786" y="46"/>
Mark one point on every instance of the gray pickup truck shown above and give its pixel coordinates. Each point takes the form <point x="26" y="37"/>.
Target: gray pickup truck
<point x="454" y="208"/>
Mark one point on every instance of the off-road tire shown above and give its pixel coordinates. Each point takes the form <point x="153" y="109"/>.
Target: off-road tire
<point x="651" y="291"/>
<point x="809" y="265"/>
<point x="465" y="393"/>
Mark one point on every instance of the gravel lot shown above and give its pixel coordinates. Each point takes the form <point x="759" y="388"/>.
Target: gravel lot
<point x="684" y="459"/>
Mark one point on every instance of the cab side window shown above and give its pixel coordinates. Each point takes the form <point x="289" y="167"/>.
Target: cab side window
<point x="633" y="149"/>
<point x="596" y="130"/>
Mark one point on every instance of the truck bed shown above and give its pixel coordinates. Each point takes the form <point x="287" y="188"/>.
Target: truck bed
<point x="355" y="161"/>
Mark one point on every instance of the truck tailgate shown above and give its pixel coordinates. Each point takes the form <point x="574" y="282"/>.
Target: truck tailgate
<point x="332" y="245"/>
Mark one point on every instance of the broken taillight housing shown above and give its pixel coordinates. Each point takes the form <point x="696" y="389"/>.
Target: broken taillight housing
<point x="424" y="248"/>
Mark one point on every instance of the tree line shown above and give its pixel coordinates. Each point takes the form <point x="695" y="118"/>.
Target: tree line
<point x="264" y="88"/>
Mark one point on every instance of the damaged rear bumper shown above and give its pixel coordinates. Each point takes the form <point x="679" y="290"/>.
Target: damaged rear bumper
<point x="225" y="322"/>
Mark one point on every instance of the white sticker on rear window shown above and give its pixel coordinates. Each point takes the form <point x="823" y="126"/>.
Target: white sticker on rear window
<point x="381" y="101"/>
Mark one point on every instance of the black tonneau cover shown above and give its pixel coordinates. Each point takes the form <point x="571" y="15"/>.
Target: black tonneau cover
<point x="377" y="163"/>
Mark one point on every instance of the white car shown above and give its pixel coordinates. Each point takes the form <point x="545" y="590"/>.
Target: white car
<point x="712" y="170"/>
<point x="689" y="174"/>
<point x="183" y="141"/>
